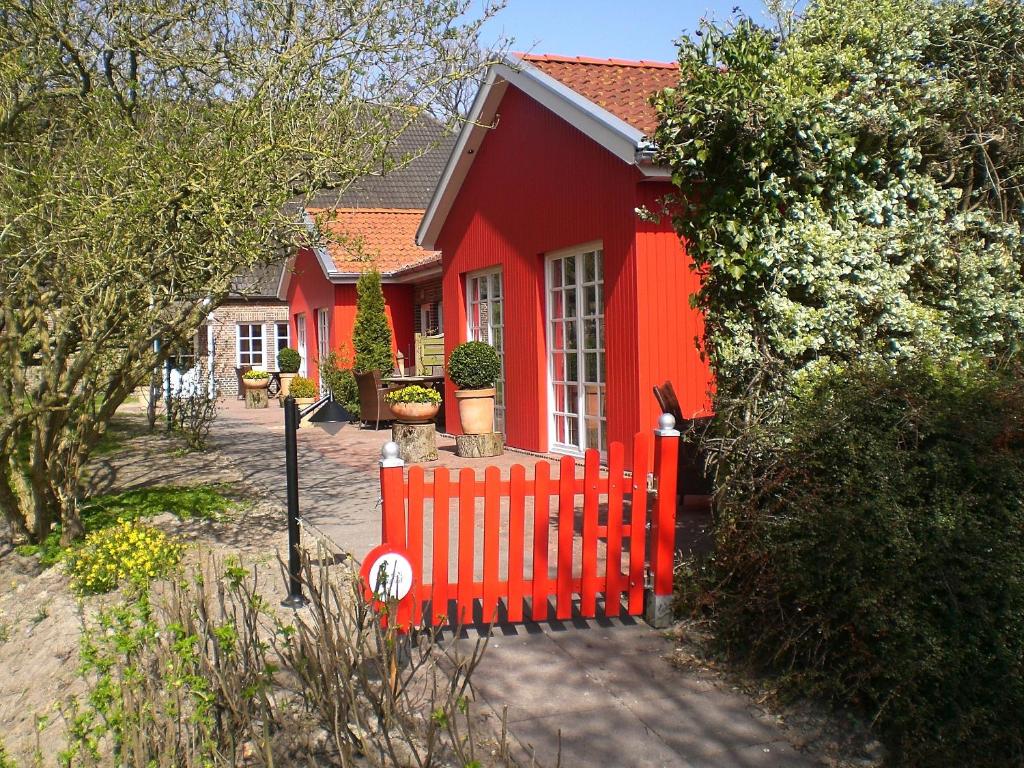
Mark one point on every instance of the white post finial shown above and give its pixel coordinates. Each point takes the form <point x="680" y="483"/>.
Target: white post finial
<point x="389" y="455"/>
<point x="667" y="426"/>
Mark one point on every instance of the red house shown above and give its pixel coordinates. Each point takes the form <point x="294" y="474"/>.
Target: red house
<point x="545" y="257"/>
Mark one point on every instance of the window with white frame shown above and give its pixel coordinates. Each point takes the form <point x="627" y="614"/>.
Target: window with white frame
<point x="250" y="345"/>
<point x="485" y="316"/>
<point x="283" y="332"/>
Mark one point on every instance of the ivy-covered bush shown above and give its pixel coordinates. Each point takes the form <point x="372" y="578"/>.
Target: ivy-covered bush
<point x="872" y="552"/>
<point x="303" y="387"/>
<point x="474" y="365"/>
<point x="414" y="393"/>
<point x="288" y="360"/>
<point x="371" y="336"/>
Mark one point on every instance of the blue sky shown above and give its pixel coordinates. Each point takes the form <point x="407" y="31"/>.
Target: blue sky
<point x="624" y="29"/>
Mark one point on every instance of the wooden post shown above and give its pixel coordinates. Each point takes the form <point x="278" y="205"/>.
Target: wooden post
<point x="658" y="611"/>
<point x="392" y="496"/>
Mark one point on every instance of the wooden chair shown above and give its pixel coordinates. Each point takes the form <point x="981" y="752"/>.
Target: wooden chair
<point x="372" y="405"/>
<point x="693" y="481"/>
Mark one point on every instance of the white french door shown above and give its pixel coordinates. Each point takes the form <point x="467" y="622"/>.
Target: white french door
<point x="300" y="341"/>
<point x="323" y="340"/>
<point x="576" y="352"/>
<point x="485" y="313"/>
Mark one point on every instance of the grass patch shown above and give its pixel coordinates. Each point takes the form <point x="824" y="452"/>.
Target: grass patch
<point x="197" y="502"/>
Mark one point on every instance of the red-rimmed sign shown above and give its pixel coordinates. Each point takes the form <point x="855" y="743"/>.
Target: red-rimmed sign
<point x="387" y="574"/>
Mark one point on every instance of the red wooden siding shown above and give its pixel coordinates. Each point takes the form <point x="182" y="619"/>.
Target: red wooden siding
<point x="309" y="290"/>
<point x="539" y="185"/>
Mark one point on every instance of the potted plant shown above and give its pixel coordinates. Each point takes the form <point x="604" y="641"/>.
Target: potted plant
<point x="414" y="404"/>
<point x="255" y="384"/>
<point x="303" y="390"/>
<point x="288" y="363"/>
<point x="474" y="367"/>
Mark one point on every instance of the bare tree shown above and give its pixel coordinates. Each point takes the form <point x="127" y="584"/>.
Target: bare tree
<point x="147" y="150"/>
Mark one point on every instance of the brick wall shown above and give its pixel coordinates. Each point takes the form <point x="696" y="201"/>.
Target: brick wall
<point x="427" y="295"/>
<point x="225" y="321"/>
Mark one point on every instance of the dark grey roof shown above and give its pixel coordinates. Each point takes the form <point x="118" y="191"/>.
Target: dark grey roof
<point x="258" y="283"/>
<point x="410" y="186"/>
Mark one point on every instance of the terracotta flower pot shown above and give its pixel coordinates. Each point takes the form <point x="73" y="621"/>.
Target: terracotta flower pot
<point x="476" y="410"/>
<point x="415" y="413"/>
<point x="256" y="383"/>
<point x="286" y="385"/>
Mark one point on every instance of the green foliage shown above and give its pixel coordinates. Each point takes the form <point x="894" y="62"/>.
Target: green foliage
<point x="6" y="761"/>
<point x="474" y="365"/>
<point x="854" y="188"/>
<point x="371" y="336"/>
<point x="126" y="553"/>
<point x="303" y="387"/>
<point x="871" y="553"/>
<point x="198" y="502"/>
<point x="414" y="393"/>
<point x="288" y="360"/>
<point x="255" y="375"/>
<point x="349" y="392"/>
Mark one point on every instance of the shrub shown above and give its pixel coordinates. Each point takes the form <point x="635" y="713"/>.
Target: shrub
<point x="303" y="387"/>
<point x="414" y="394"/>
<point x="371" y="336"/>
<point x="870" y="551"/>
<point x="255" y="375"/>
<point x="349" y="395"/>
<point x="474" y="365"/>
<point x="288" y="360"/>
<point x="193" y="411"/>
<point x="127" y="552"/>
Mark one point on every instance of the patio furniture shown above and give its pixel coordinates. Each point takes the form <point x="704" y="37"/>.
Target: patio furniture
<point x="372" y="405"/>
<point x="693" y="481"/>
<point x="240" y="371"/>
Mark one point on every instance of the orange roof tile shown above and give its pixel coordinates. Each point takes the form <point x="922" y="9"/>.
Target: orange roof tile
<point x="360" y="239"/>
<point x="620" y="86"/>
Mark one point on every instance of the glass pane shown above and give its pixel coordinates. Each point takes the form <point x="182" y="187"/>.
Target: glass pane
<point x="559" y="398"/>
<point x="600" y="367"/>
<point x="590" y="299"/>
<point x="600" y="265"/>
<point x="558" y="335"/>
<point x="257" y="345"/>
<point x="591" y="366"/>
<point x="556" y="305"/>
<point x="574" y="438"/>
<point x="573" y="368"/>
<point x="571" y="342"/>
<point x="497" y="340"/>
<point x="604" y="438"/>
<point x="243" y="345"/>
<point x="556" y="274"/>
<point x="496" y="313"/>
<point x="590" y="334"/>
<point x="592" y="434"/>
<point x="496" y="286"/>
<point x="559" y="429"/>
<point x="570" y="302"/>
<point x="572" y="394"/>
<point x="570" y="270"/>
<point x="558" y="366"/>
<point x="589" y="268"/>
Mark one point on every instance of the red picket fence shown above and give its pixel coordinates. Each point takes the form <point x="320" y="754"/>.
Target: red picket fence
<point x="520" y="593"/>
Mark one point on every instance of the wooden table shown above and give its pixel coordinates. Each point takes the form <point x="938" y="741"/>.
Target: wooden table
<point x="414" y="379"/>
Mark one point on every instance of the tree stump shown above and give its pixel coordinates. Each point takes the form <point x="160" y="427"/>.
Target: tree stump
<point x="479" y="446"/>
<point x="416" y="442"/>
<point x="256" y="397"/>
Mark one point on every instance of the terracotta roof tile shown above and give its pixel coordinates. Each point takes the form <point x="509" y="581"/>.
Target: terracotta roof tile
<point x="620" y="86"/>
<point x="359" y="239"/>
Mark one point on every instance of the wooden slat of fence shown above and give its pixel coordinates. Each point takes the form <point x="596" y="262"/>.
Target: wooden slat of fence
<point x="492" y="538"/>
<point x="566" y="513"/>
<point x="416" y="540"/>
<point x="439" y="557"/>
<point x="516" y="543"/>
<point x="467" y="523"/>
<point x="638" y="524"/>
<point x="504" y="489"/>
<point x="541" y="521"/>
<point x="588" y="574"/>
<point x="613" y="551"/>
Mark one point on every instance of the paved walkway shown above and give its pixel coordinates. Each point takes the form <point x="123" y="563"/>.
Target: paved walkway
<point x="600" y="689"/>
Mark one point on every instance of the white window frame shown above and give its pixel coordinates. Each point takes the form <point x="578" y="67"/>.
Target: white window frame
<point x="287" y="334"/>
<point x="301" y="342"/>
<point x="554" y="446"/>
<point x="473" y="332"/>
<point x="250" y="338"/>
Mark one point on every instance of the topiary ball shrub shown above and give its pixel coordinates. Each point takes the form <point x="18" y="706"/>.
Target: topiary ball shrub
<point x="303" y="387"/>
<point x="870" y="549"/>
<point x="474" y="365"/>
<point x="288" y="360"/>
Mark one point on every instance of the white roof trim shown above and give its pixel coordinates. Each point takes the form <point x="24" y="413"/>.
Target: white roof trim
<point x="611" y="132"/>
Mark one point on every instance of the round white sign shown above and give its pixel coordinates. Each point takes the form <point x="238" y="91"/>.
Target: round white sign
<point x="390" y="576"/>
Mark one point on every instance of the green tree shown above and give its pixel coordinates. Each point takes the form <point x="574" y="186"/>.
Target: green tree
<point x="854" y="188"/>
<point x="147" y="153"/>
<point x="372" y="334"/>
